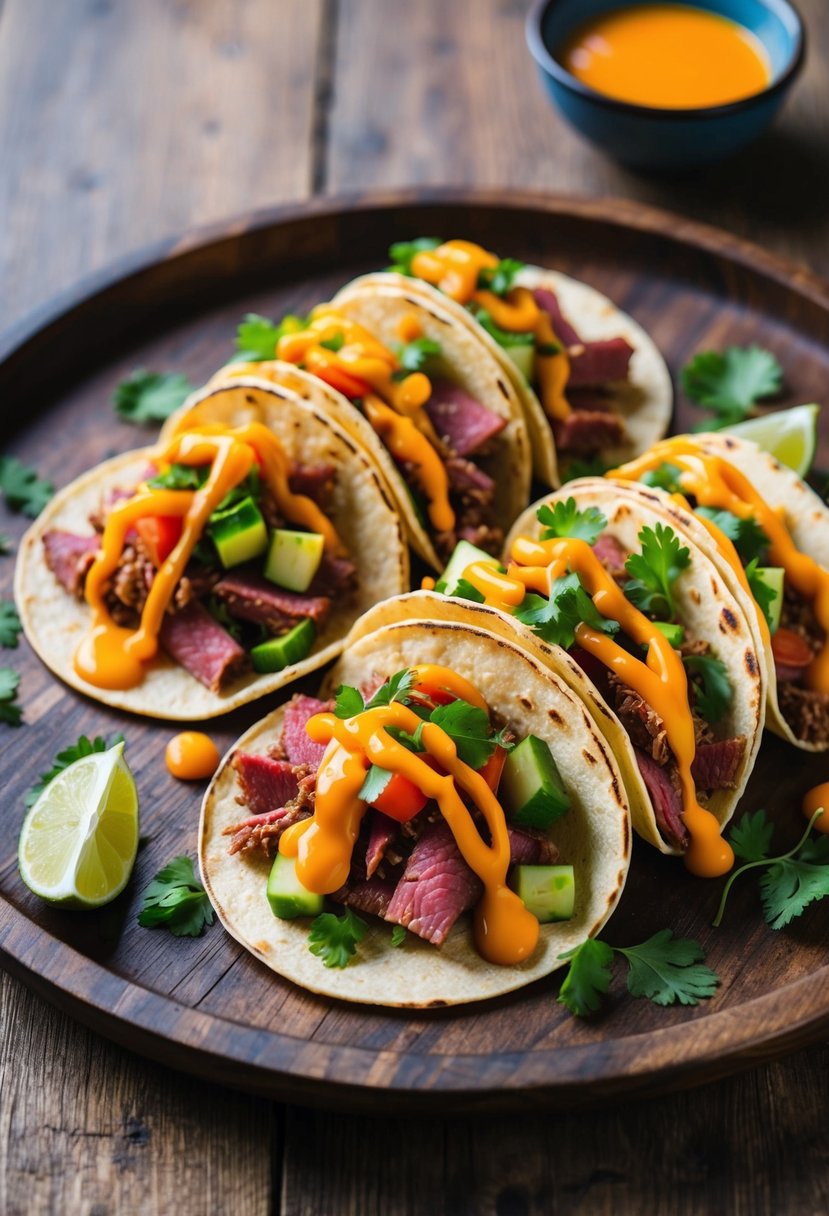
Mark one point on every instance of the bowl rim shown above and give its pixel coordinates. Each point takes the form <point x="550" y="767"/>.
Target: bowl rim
<point x="545" y="59"/>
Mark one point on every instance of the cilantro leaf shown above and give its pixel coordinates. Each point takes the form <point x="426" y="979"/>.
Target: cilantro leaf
<point x="654" y="571"/>
<point x="565" y="519"/>
<point x="498" y="279"/>
<point x="588" y="977"/>
<point x="469" y="729"/>
<point x="334" y="343"/>
<point x="761" y="591"/>
<point x="668" y="969"/>
<point x="746" y="535"/>
<point x="399" y="933"/>
<point x="416" y="354"/>
<point x="180" y="477"/>
<point x="376" y="781"/>
<point x="151" y="396"/>
<point x="176" y="900"/>
<point x="790" y="884"/>
<point x="751" y="837"/>
<point x="257" y="336"/>
<point x="10" y="625"/>
<point x="401" y="253"/>
<point x="464" y="590"/>
<point x="334" y="939"/>
<point x="730" y="383"/>
<point x="713" y="698"/>
<point x="83" y="747"/>
<point x="348" y="701"/>
<point x="504" y="337"/>
<point x="396" y="688"/>
<point x="5" y="544"/>
<point x="22" y="489"/>
<point x="665" y="477"/>
<point x="10" y="712"/>
<point x="556" y="618"/>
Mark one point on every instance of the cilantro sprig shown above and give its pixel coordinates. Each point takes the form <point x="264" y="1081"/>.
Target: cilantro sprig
<point x="335" y="939"/>
<point x="763" y="594"/>
<point x="665" y="969"/>
<point x="566" y="520"/>
<point x="176" y="900"/>
<point x="10" y="712"/>
<point x="556" y="619"/>
<point x="10" y="625"/>
<point x="731" y="382"/>
<point x="83" y="747"/>
<point x="146" y="397"/>
<point x="712" y="695"/>
<point x="257" y="336"/>
<point x="402" y="253"/>
<point x="417" y="354"/>
<point x="792" y="880"/>
<point x="499" y="279"/>
<point x="22" y="489"/>
<point x="746" y="535"/>
<point x="655" y="570"/>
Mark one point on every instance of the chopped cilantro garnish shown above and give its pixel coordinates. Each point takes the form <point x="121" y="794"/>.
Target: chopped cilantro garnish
<point x="176" y="900"/>
<point x="10" y="625"/>
<point x="256" y="336"/>
<point x="664" y="477"/>
<point x="180" y="477"/>
<point x="655" y="570"/>
<point x="151" y="396"/>
<point x="399" y="933"/>
<point x="763" y="594"/>
<point x="499" y="279"/>
<point x="348" y="701"/>
<point x="555" y="619"/>
<point x="10" y="712"/>
<point x="565" y="519"/>
<point x="469" y="729"/>
<point x="376" y="781"/>
<point x="402" y="252"/>
<point x="667" y="970"/>
<point x="22" y="489"/>
<point x="334" y="939"/>
<point x="464" y="590"/>
<point x="713" y="697"/>
<point x="746" y="535"/>
<point x="83" y="747"/>
<point x="792" y="880"/>
<point x="416" y="354"/>
<point x="730" y="383"/>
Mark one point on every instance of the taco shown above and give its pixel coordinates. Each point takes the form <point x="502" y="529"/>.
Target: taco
<point x="768" y="533"/>
<point x="182" y="580"/>
<point x="593" y="384"/>
<point x="420" y="392"/>
<point x="532" y="825"/>
<point x="596" y="572"/>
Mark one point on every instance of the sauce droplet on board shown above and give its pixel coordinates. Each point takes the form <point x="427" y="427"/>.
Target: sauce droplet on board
<point x="192" y="756"/>
<point x="815" y="798"/>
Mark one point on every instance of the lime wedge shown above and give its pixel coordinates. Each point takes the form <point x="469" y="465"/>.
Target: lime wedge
<point x="78" y="842"/>
<point x="789" y="435"/>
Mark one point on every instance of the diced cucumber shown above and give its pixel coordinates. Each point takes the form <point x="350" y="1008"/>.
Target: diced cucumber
<point x="531" y="789"/>
<point x="549" y="892"/>
<point x="280" y="652"/>
<point x="239" y="533"/>
<point x="773" y="577"/>
<point x="674" y="633"/>
<point x="294" y="558"/>
<point x="524" y="358"/>
<point x="464" y="555"/>
<point x="286" y="894"/>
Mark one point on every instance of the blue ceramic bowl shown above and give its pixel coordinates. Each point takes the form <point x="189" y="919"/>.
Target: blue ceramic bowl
<point x="651" y="138"/>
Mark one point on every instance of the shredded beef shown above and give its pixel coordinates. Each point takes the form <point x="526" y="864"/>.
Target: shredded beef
<point x="262" y="832"/>
<point x="715" y="764"/>
<point x="807" y="713"/>
<point x="132" y="579"/>
<point x="798" y="614"/>
<point x="267" y="782"/>
<point x="642" y="722"/>
<point x="531" y="847"/>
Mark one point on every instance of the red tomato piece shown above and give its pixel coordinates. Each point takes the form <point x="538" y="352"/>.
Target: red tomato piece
<point x="401" y="799"/>
<point x="491" y="771"/>
<point x="161" y="534"/>
<point x="343" y="381"/>
<point x="789" y="649"/>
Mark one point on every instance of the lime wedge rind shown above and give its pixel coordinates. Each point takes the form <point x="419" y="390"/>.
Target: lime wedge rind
<point x="788" y="435"/>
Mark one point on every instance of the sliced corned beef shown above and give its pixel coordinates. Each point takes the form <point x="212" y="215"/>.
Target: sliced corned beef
<point x="466" y="478"/>
<point x="266" y="783"/>
<point x="611" y="554"/>
<point x="69" y="557"/>
<point x="641" y="721"/>
<point x="382" y="831"/>
<point x="371" y="896"/>
<point x="666" y="800"/>
<point x="601" y="362"/>
<point x="199" y="643"/>
<point x="531" y="847"/>
<point x="335" y="576"/>
<point x="314" y="481"/>
<point x="250" y="597"/>
<point x="806" y="710"/>
<point x="547" y="300"/>
<point x="263" y="831"/>
<point x="298" y="747"/>
<point x="715" y="764"/>
<point x="585" y="432"/>
<point x="436" y="887"/>
<point x="461" y="421"/>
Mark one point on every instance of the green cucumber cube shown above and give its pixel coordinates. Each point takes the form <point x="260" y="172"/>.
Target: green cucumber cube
<point x="239" y="533"/>
<point x="294" y="558"/>
<point x="549" y="892"/>
<point x="286" y="894"/>
<point x="523" y="356"/>
<point x="773" y="577"/>
<point x="674" y="633"/>
<point x="531" y="789"/>
<point x="281" y="652"/>
<point x="464" y="555"/>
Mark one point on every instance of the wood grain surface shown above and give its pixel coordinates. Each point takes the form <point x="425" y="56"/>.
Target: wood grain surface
<point x="73" y="1109"/>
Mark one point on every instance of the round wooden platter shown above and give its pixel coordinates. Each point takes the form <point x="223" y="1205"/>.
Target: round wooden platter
<point x="204" y="1004"/>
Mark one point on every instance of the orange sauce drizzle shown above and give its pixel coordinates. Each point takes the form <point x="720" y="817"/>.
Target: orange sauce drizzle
<point x="409" y="328"/>
<point x="715" y="482"/>
<point x="505" y="932"/>
<point x="660" y="679"/>
<point x="191" y="756"/>
<point x="813" y="800"/>
<point x="112" y="656"/>
<point x="454" y="268"/>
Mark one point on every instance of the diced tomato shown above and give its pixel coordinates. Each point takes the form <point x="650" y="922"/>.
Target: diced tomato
<point x="438" y="696"/>
<point x="491" y="771"/>
<point x="789" y="649"/>
<point x="343" y="381"/>
<point x="161" y="534"/>
<point x="401" y="799"/>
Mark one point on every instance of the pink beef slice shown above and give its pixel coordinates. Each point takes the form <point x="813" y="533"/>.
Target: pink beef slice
<point x="460" y="420"/>
<point x="585" y="432"/>
<point x="531" y="847"/>
<point x="382" y="831"/>
<point x="267" y="784"/>
<point x="664" y="796"/>
<point x="547" y="300"/>
<point x="436" y="887"/>
<point x="250" y="597"/>
<point x="371" y="896"/>
<point x="601" y="362"/>
<point x="315" y="481"/>
<point x="202" y="647"/>
<point x="715" y="764"/>
<point x="69" y="557"/>
<point x="298" y="747"/>
<point x="611" y="554"/>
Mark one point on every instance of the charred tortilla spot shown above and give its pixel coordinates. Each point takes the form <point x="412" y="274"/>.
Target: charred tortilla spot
<point x="555" y="716"/>
<point x="694" y="595"/>
<point x="589" y="757"/>
<point x="728" y="621"/>
<point x="526" y="702"/>
<point x="751" y="663"/>
<point x="504" y="389"/>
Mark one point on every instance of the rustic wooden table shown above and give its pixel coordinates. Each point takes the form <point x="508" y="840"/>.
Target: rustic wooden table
<point x="122" y="122"/>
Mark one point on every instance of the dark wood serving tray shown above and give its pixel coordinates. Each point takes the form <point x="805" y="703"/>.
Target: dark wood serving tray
<point x="205" y="1005"/>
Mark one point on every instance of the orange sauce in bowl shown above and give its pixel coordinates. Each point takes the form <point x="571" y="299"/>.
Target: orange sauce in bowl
<point x="667" y="56"/>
